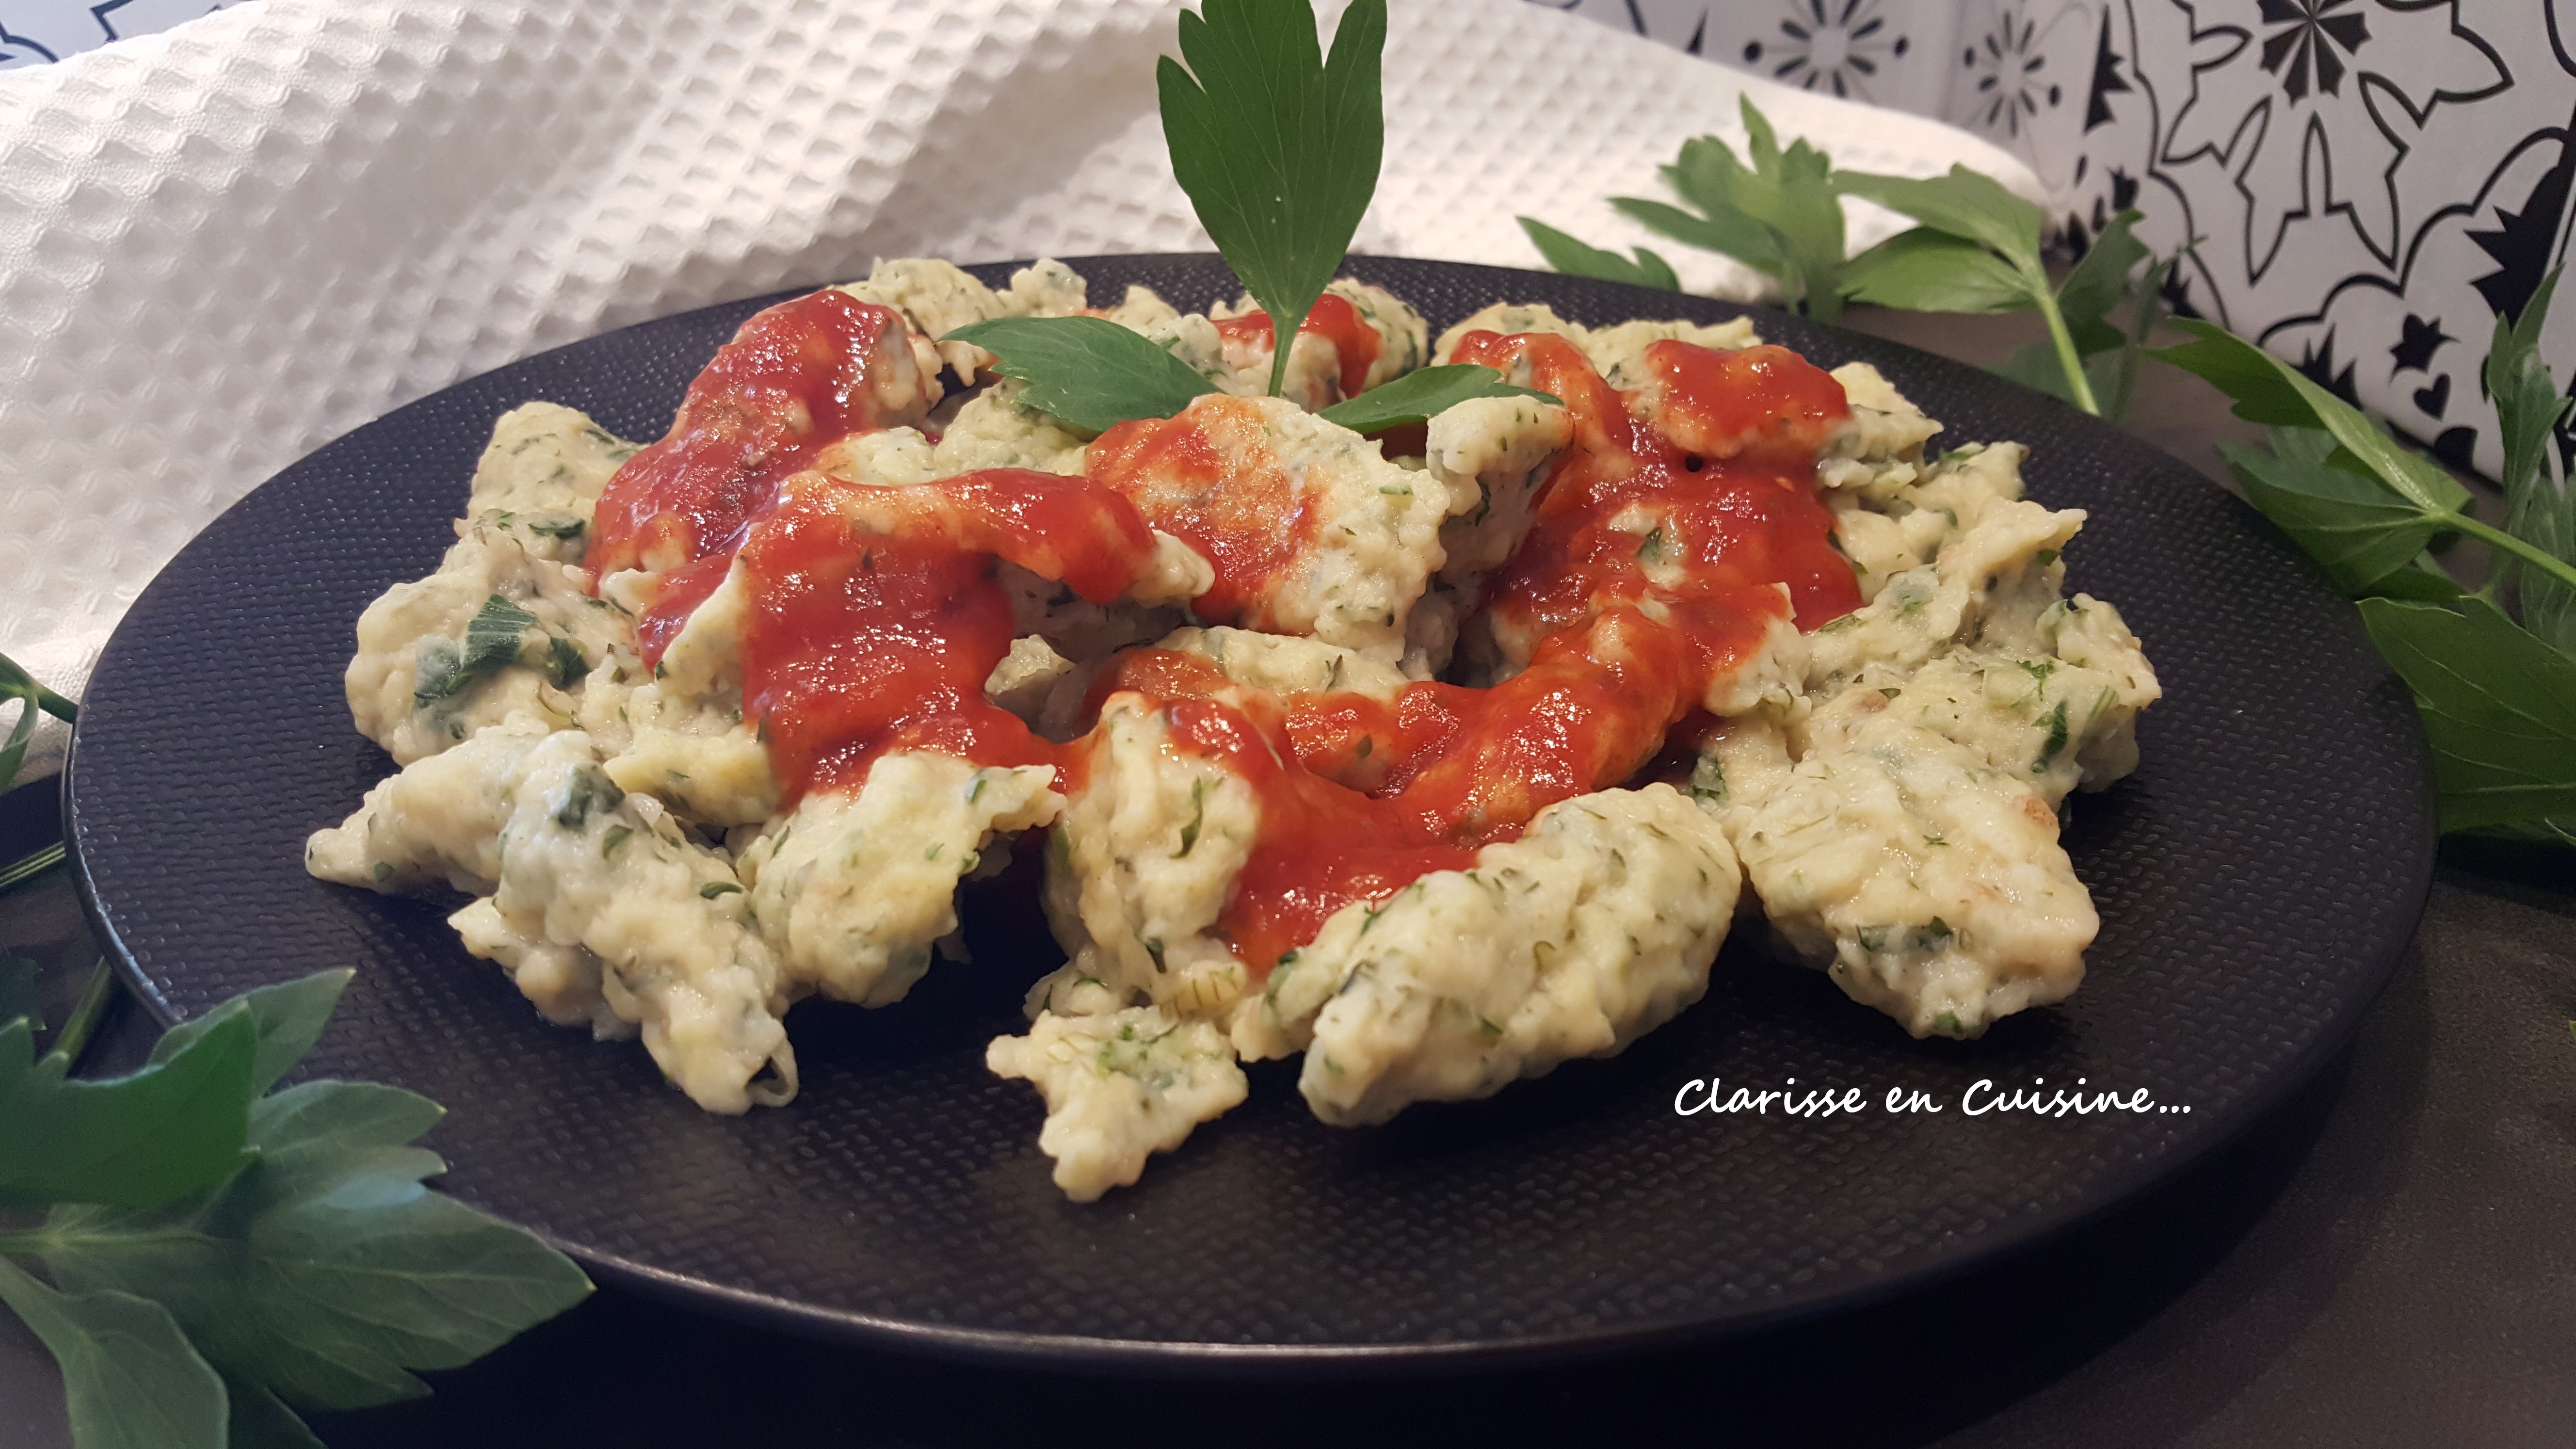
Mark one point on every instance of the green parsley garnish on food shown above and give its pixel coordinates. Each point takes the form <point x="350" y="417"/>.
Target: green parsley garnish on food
<point x="494" y="639"/>
<point x="1089" y="371"/>
<point x="1278" y="146"/>
<point x="1423" y="394"/>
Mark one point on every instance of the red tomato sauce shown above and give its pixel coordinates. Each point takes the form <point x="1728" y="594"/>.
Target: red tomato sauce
<point x="876" y="616"/>
<point x="796" y="377"/>
<point x="1650" y="573"/>
<point x="1761" y="403"/>
<point x="1710" y="497"/>
<point x="1361" y="796"/>
<point x="1355" y="343"/>
<point x="1606" y="441"/>
<point x="1209" y="478"/>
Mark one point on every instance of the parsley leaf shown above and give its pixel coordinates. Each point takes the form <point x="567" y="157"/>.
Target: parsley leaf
<point x="2355" y="525"/>
<point x="132" y="1379"/>
<point x="313" y="1270"/>
<point x="1708" y="783"/>
<point x="565" y="663"/>
<point x="1703" y="176"/>
<point x="1928" y="271"/>
<point x="1581" y="259"/>
<point x="1277" y="146"/>
<point x="2422" y="579"/>
<point x="1198" y="817"/>
<point x="2499" y="708"/>
<point x="1089" y="371"/>
<point x="2146" y="309"/>
<point x="1731" y="234"/>
<point x="2498" y="702"/>
<point x="1775" y="210"/>
<point x="2040" y="367"/>
<point x="173" y="1127"/>
<point x="327" y="1272"/>
<point x="2108" y="354"/>
<point x="2539" y="510"/>
<point x="1423" y="394"/>
<point x="2270" y="391"/>
<point x="1789" y="193"/>
<point x="1969" y="205"/>
<point x="2100" y="280"/>
<point x="285" y="1019"/>
<point x="1986" y="259"/>
<point x="260" y="1420"/>
<point x="494" y="639"/>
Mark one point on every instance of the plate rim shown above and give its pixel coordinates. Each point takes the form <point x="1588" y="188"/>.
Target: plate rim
<point x="2119" y="1187"/>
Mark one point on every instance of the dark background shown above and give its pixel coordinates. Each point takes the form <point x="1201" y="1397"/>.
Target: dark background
<point x="2389" y="1258"/>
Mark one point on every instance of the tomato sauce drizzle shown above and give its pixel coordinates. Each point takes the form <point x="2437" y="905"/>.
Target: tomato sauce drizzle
<point x="876" y="616"/>
<point x="875" y="613"/>
<point x="1361" y="796"/>
<point x="1355" y="343"/>
<point x="1760" y="404"/>
<point x="1208" y="477"/>
<point x="1710" y="497"/>
<point x="795" y="378"/>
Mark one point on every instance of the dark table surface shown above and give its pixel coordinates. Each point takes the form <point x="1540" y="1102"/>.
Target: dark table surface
<point x="2390" y="1258"/>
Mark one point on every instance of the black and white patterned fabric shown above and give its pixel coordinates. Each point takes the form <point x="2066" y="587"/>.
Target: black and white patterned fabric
<point x="2369" y="181"/>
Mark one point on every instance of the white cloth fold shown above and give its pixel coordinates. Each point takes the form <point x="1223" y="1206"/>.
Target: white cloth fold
<point x="225" y="245"/>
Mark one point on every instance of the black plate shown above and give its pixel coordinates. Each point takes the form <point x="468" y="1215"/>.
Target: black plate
<point x="2257" y="880"/>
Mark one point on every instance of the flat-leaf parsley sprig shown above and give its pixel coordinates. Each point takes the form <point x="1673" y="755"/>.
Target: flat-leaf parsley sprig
<point x="1278" y="145"/>
<point x="1775" y="210"/>
<point x="1976" y="249"/>
<point x="1089" y="371"/>
<point x="2497" y="696"/>
<point x="217" y="1253"/>
<point x="2498" y="699"/>
<point x="1578" y="258"/>
<point x="1423" y="394"/>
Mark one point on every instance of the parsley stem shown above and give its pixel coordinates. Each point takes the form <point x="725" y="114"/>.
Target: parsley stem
<point x="28" y="868"/>
<point x="2143" y="308"/>
<point x="2077" y="385"/>
<point x="55" y="705"/>
<point x="77" y="1028"/>
<point x="2530" y="553"/>
<point x="1279" y="349"/>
